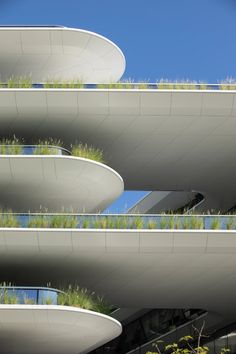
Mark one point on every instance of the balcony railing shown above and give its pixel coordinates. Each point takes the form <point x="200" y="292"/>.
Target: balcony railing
<point x="119" y="221"/>
<point x="120" y="86"/>
<point x="28" y="295"/>
<point x="72" y="296"/>
<point x="15" y="149"/>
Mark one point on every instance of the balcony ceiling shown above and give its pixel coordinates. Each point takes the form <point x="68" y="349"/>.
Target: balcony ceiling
<point x="132" y="268"/>
<point x="157" y="140"/>
<point x="59" y="53"/>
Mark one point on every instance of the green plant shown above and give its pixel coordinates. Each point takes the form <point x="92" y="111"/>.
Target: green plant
<point x="76" y="297"/>
<point x="39" y="221"/>
<point x="63" y="84"/>
<point x="100" y="305"/>
<point x="121" y="222"/>
<point x="8" y="298"/>
<point x="8" y="220"/>
<point x="202" y="86"/>
<point x="19" y="82"/>
<point x="177" y="223"/>
<point x="47" y="147"/>
<point x="88" y="152"/>
<point x="163" y="223"/>
<point x="142" y="85"/>
<point x="64" y="221"/>
<point x="28" y="301"/>
<point x="215" y="224"/>
<point x="196" y="222"/>
<point x="11" y="146"/>
<point x="110" y="222"/>
<point x="81" y="297"/>
<point x="136" y="223"/>
<point x="183" y="346"/>
<point x="72" y="296"/>
<point x="230" y="224"/>
<point x="85" y="224"/>
<point x="47" y="301"/>
<point x="186" y="223"/>
<point x="171" y="222"/>
<point x="151" y="224"/>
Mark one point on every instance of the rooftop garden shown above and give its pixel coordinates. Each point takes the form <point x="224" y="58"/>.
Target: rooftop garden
<point x="49" y="146"/>
<point x="163" y="84"/>
<point x="118" y="222"/>
<point x="72" y="296"/>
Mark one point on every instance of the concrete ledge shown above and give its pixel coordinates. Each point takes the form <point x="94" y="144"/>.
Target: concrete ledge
<point x="42" y="329"/>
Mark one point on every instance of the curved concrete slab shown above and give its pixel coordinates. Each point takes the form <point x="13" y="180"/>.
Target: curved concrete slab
<point x="59" y="53"/>
<point x="57" y="183"/>
<point x="166" y="268"/>
<point x="40" y="329"/>
<point x="169" y="140"/>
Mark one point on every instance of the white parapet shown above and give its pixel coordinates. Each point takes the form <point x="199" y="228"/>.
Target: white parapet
<point x="57" y="183"/>
<point x="59" y="53"/>
<point x="48" y="329"/>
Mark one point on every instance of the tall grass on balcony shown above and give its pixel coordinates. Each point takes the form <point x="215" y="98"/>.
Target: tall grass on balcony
<point x="45" y="147"/>
<point x="119" y="222"/>
<point x="165" y="84"/>
<point x="120" y="85"/>
<point x="39" y="221"/>
<point x="72" y="296"/>
<point x="59" y="221"/>
<point x="8" y="299"/>
<point x="8" y="219"/>
<point x="11" y="146"/>
<point x="64" y="221"/>
<point x="88" y="152"/>
<point x="19" y="82"/>
<point x="228" y="83"/>
<point x="82" y="298"/>
<point x="64" y="84"/>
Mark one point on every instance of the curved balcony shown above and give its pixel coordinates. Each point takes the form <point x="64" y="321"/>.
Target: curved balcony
<point x="120" y="262"/>
<point x="59" y="52"/>
<point x="56" y="181"/>
<point x="160" y="136"/>
<point x="33" y="320"/>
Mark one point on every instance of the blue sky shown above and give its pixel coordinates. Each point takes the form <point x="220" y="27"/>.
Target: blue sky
<point x="184" y="39"/>
<point x="172" y="39"/>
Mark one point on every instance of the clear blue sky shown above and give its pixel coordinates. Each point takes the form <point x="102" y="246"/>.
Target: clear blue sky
<point x="171" y="39"/>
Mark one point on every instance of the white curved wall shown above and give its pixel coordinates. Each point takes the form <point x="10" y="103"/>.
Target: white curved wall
<point x="61" y="53"/>
<point x="47" y="329"/>
<point x="56" y="183"/>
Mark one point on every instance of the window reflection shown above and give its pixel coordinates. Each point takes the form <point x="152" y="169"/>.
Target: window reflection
<point x="28" y="296"/>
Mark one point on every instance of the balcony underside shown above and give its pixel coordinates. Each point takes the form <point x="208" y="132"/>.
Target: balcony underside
<point x="42" y="329"/>
<point x="167" y="269"/>
<point x="56" y="183"/>
<point x="169" y="140"/>
<point x="62" y="53"/>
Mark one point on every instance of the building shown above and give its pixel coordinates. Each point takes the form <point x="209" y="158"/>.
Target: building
<point x="162" y="272"/>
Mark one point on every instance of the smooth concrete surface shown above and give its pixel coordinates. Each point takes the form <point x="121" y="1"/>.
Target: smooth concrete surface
<point x="49" y="53"/>
<point x="56" y="183"/>
<point x="156" y="139"/>
<point x="166" y="268"/>
<point x="47" y="329"/>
